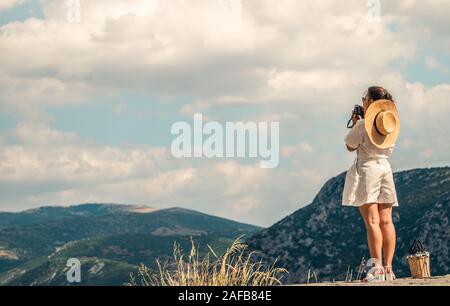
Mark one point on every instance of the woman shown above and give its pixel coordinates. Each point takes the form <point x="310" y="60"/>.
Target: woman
<point x="369" y="183"/>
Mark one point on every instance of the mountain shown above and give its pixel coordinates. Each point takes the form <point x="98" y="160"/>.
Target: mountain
<point x="52" y="213"/>
<point x="52" y="272"/>
<point x="35" y="244"/>
<point x="328" y="238"/>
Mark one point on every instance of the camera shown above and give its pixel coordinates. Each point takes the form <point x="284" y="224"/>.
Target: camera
<point x="358" y="111"/>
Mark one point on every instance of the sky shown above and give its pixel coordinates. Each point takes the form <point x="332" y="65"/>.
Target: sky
<point x="88" y="96"/>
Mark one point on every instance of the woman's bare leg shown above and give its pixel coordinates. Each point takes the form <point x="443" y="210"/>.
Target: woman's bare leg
<point x="388" y="232"/>
<point x="371" y="218"/>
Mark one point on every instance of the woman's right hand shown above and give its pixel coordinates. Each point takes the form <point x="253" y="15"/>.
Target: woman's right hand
<point x="355" y="118"/>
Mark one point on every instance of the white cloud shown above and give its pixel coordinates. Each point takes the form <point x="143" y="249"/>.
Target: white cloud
<point x="246" y="51"/>
<point x="40" y="134"/>
<point x="426" y="21"/>
<point x="423" y="106"/>
<point x="245" y="204"/>
<point x="7" y="4"/>
<point x="433" y="64"/>
<point x="64" y="175"/>
<point x="49" y="167"/>
<point x="253" y="50"/>
<point x="288" y="151"/>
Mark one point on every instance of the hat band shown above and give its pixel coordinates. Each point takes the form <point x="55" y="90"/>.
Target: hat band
<point x="375" y="124"/>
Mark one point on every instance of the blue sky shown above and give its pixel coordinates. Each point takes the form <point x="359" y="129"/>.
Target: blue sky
<point x="86" y="108"/>
<point x="21" y="12"/>
<point x="127" y="119"/>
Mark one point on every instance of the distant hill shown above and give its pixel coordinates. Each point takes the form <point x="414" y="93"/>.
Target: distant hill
<point x="52" y="213"/>
<point x="328" y="238"/>
<point x="37" y="242"/>
<point x="52" y="272"/>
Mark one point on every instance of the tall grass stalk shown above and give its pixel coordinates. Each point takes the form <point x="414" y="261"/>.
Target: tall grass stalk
<point x="236" y="267"/>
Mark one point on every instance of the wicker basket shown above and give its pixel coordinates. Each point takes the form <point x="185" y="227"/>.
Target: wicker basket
<point x="419" y="266"/>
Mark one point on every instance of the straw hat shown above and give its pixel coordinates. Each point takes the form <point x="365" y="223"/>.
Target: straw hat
<point x="382" y="123"/>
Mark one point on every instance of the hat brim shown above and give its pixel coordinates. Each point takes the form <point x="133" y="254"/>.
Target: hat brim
<point x="377" y="139"/>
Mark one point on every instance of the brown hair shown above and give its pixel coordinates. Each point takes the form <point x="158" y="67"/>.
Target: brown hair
<point x="376" y="93"/>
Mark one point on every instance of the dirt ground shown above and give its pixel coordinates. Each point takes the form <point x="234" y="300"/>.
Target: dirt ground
<point x="434" y="281"/>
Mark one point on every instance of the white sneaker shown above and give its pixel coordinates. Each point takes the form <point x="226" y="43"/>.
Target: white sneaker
<point x="390" y="276"/>
<point x="375" y="275"/>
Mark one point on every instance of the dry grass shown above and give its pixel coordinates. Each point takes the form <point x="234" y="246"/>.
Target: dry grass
<point x="234" y="268"/>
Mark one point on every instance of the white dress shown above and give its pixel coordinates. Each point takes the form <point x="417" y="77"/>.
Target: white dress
<point x="370" y="178"/>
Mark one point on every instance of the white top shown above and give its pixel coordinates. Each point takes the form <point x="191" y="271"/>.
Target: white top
<point x="357" y="138"/>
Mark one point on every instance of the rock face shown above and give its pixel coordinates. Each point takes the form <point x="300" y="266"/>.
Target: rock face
<point x="328" y="238"/>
